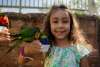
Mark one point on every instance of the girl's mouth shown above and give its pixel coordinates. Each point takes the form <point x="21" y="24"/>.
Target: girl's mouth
<point x="60" y="32"/>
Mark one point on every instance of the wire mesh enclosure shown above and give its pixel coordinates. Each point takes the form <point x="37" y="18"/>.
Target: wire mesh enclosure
<point x="80" y="5"/>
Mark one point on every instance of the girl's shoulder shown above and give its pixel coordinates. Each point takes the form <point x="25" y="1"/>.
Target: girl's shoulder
<point x="83" y="49"/>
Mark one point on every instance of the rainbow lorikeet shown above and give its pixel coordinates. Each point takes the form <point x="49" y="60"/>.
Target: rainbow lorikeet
<point x="27" y="34"/>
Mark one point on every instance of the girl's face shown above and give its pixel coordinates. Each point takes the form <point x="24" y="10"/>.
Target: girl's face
<point x="60" y="24"/>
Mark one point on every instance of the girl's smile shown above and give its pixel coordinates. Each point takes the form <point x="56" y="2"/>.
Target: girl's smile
<point x="59" y="33"/>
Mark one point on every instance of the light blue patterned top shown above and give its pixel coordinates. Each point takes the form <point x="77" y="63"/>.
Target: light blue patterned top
<point x="66" y="57"/>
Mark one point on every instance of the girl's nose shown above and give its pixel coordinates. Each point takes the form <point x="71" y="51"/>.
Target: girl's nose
<point x="60" y="24"/>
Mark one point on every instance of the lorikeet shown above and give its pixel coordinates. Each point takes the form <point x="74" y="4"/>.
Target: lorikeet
<point x="27" y="34"/>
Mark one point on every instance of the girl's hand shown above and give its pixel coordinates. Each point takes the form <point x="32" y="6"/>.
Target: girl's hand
<point x="32" y="48"/>
<point x="4" y="37"/>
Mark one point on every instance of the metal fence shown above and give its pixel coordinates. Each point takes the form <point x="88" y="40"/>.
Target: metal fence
<point x="80" y="5"/>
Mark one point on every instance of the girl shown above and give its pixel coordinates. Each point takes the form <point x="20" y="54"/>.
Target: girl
<point x="68" y="47"/>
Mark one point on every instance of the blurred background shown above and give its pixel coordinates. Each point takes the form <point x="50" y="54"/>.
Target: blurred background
<point x="33" y="13"/>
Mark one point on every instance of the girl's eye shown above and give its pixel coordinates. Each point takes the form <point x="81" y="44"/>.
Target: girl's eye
<point x="65" y="21"/>
<point x="55" y="21"/>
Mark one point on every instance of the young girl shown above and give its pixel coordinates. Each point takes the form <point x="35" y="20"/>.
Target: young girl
<point x="68" y="47"/>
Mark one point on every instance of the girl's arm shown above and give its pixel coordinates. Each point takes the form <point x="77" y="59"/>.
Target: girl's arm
<point x="84" y="62"/>
<point x="84" y="52"/>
